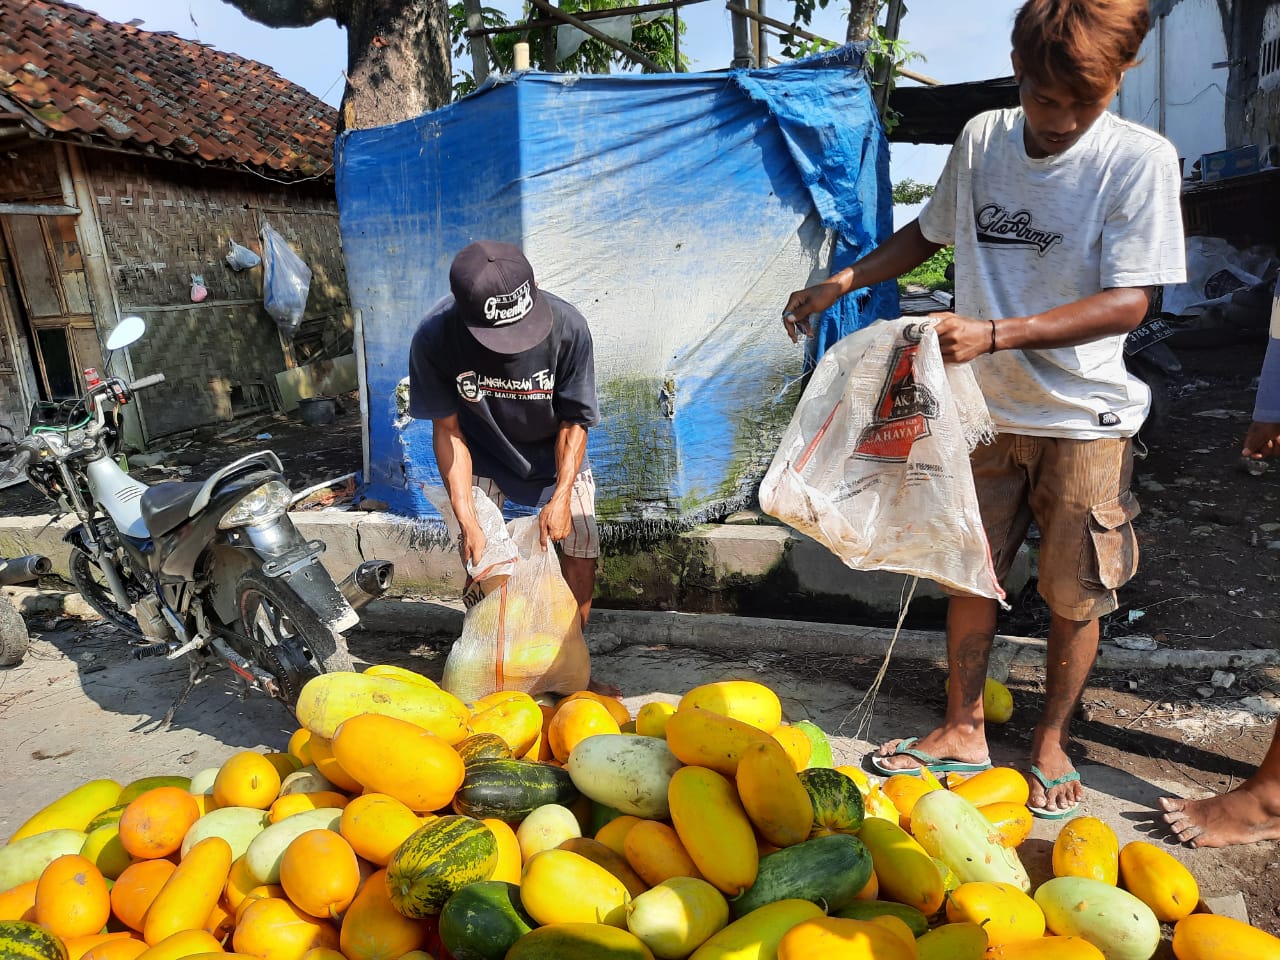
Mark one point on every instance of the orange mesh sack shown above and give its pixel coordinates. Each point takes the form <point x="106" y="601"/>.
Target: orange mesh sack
<point x="526" y="634"/>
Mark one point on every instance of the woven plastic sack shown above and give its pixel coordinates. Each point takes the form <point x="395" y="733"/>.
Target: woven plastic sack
<point x="525" y="635"/>
<point x="286" y="282"/>
<point x="875" y="462"/>
<point x="499" y="558"/>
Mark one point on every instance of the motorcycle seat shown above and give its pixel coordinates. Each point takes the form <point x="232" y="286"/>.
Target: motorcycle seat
<point x="166" y="505"/>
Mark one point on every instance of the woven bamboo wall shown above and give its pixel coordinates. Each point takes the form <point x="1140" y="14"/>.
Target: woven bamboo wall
<point x="162" y="222"/>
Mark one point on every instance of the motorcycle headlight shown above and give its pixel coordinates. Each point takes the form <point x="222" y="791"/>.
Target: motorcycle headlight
<point x="263" y="505"/>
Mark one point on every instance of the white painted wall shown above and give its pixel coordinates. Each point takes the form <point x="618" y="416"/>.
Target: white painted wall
<point x="1194" y="90"/>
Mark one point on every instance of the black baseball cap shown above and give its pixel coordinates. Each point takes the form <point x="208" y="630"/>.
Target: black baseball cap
<point x="497" y="299"/>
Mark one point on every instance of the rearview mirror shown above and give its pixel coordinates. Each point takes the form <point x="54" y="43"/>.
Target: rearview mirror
<point x="127" y="331"/>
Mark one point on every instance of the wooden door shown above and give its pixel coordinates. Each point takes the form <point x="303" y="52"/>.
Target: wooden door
<point x="51" y="278"/>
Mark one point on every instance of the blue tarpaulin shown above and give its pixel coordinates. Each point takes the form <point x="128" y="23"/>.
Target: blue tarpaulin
<point x="675" y="211"/>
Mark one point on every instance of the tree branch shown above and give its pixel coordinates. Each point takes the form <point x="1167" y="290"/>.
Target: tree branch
<point x="288" y="13"/>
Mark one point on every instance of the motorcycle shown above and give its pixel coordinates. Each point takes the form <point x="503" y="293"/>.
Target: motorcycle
<point x="1153" y="362"/>
<point x="212" y="570"/>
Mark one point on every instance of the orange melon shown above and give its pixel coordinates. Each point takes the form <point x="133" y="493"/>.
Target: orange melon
<point x="273" y="929"/>
<point x="373" y="929"/>
<point x="153" y="825"/>
<point x="136" y="888"/>
<point x="72" y="898"/>
<point x="320" y="873"/>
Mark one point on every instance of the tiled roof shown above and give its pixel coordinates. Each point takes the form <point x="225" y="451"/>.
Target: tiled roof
<point x="68" y="71"/>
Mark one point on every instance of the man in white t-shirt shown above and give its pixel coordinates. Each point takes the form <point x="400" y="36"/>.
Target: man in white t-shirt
<point x="1063" y="216"/>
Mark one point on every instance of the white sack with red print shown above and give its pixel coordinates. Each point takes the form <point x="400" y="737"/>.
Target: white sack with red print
<point x="875" y="462"/>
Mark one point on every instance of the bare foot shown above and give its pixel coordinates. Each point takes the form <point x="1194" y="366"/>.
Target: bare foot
<point x="1052" y="761"/>
<point x="1240" y="816"/>
<point x="944" y="743"/>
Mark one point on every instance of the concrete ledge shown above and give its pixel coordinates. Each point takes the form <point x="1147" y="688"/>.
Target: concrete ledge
<point x="754" y="570"/>
<point x="751" y="635"/>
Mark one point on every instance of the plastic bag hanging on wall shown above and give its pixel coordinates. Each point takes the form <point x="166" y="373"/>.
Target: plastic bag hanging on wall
<point x="241" y="257"/>
<point x="285" y="284"/>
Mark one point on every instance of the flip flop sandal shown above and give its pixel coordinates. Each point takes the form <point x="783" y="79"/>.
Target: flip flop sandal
<point x="1044" y="813"/>
<point x="936" y="765"/>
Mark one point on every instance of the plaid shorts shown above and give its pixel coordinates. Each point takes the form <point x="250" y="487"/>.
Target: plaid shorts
<point x="1078" y="493"/>
<point x="583" y="540"/>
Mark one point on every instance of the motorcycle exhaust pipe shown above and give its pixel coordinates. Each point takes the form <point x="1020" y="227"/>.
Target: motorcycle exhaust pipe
<point x="24" y="569"/>
<point x="367" y="582"/>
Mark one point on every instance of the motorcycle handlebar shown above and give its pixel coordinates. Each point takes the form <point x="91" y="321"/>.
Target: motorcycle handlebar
<point x="16" y="464"/>
<point x="148" y="381"/>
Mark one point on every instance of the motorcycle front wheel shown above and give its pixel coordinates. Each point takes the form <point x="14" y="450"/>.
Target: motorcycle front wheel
<point x="285" y="637"/>
<point x="88" y="580"/>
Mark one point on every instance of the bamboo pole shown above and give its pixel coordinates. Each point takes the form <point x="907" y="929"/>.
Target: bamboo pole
<point x="604" y="38"/>
<point x="585" y="15"/>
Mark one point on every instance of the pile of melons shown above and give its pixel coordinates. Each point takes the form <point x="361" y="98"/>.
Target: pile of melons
<point x="403" y="823"/>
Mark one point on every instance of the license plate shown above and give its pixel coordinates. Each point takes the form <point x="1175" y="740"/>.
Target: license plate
<point x="1145" y="335"/>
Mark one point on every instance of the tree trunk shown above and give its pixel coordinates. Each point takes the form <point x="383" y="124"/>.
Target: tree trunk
<point x="862" y="19"/>
<point x="398" y="61"/>
<point x="398" y="52"/>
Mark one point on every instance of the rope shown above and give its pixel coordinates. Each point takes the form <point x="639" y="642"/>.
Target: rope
<point x="862" y="713"/>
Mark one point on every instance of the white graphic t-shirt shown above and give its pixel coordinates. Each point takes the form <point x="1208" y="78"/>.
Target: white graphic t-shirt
<point x="1031" y="235"/>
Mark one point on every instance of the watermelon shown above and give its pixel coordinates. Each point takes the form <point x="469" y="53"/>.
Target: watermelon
<point x="829" y="871"/>
<point x="482" y="920"/>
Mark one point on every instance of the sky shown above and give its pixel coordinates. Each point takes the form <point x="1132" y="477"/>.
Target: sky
<point x="959" y="41"/>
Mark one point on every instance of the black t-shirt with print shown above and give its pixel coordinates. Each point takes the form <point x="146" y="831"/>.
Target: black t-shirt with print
<point x="509" y="408"/>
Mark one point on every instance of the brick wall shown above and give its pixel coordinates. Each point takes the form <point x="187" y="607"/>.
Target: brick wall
<point x="162" y="222"/>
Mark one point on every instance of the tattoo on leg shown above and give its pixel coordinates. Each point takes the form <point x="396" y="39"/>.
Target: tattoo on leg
<point x="971" y="655"/>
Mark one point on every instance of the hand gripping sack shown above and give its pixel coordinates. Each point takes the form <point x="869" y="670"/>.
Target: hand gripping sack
<point x="499" y="558"/>
<point x="875" y="462"/>
<point x="526" y="634"/>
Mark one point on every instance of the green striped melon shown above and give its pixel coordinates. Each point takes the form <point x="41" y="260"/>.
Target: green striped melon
<point x="23" y="940"/>
<point x="110" y="815"/>
<point x="482" y="746"/>
<point x="510" y="790"/>
<point x="437" y="860"/>
<point x="837" y="804"/>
